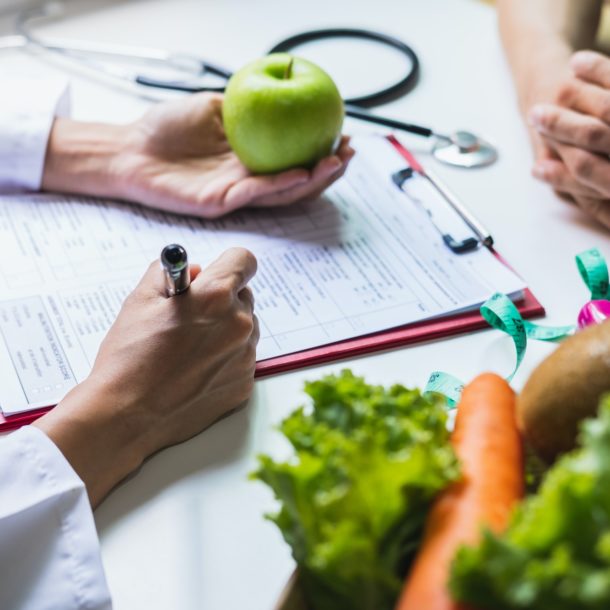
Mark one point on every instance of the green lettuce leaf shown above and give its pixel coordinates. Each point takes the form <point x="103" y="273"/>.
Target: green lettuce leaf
<point x="368" y="463"/>
<point x="556" y="553"/>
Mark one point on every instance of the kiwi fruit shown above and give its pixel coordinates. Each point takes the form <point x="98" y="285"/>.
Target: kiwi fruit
<point x="564" y="389"/>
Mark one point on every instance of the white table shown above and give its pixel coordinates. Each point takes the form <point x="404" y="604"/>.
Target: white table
<point x="187" y="531"/>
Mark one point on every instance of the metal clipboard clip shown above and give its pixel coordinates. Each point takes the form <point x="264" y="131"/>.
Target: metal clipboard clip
<point x="460" y="230"/>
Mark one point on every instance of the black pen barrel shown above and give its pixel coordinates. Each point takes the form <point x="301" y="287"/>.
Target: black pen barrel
<point x="365" y="115"/>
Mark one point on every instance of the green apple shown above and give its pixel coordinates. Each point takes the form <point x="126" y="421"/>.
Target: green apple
<point x="280" y="112"/>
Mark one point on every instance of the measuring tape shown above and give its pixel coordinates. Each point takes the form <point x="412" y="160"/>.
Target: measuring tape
<point x="594" y="272"/>
<point x="502" y="314"/>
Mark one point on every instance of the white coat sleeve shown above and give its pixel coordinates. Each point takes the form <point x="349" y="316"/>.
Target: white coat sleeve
<point x="27" y="110"/>
<point x="49" y="550"/>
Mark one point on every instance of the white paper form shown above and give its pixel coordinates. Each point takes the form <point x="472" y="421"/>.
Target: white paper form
<point x="363" y="258"/>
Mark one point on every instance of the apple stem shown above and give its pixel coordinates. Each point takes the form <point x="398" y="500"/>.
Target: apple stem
<point x="288" y="71"/>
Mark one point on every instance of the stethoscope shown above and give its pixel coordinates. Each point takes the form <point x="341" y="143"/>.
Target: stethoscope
<point x="460" y="148"/>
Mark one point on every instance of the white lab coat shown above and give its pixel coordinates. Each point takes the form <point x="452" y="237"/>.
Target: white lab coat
<point x="49" y="549"/>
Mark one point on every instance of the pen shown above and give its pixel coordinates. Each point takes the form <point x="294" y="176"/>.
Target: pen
<point x="483" y="235"/>
<point x="174" y="262"/>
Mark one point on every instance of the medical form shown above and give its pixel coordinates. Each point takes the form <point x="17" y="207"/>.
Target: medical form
<point x="360" y="259"/>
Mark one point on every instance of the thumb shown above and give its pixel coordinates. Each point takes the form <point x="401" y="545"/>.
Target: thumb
<point x="194" y="270"/>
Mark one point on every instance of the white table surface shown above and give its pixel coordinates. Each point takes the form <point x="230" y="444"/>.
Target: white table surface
<point x="187" y="531"/>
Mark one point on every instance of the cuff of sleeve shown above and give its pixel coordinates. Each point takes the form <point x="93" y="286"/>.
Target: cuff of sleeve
<point x="78" y="549"/>
<point x="27" y="111"/>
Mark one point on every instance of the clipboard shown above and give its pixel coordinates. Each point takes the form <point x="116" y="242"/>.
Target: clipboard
<point x="397" y="337"/>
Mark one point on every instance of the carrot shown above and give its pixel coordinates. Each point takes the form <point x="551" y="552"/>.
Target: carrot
<point x="487" y="443"/>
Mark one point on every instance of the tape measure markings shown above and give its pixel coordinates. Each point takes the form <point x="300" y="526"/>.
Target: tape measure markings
<point x="502" y="314"/>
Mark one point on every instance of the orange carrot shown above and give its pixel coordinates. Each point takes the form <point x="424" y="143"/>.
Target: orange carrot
<point x="487" y="443"/>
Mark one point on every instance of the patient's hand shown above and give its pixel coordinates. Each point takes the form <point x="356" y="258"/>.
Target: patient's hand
<point x="177" y="158"/>
<point x="576" y="128"/>
<point x="168" y="369"/>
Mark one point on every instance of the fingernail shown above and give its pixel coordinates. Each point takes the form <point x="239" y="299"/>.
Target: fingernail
<point x="536" y="117"/>
<point x="539" y="171"/>
<point x="334" y="165"/>
<point x="582" y="61"/>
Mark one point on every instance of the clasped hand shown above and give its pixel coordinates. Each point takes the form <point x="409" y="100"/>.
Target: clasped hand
<point x="575" y="136"/>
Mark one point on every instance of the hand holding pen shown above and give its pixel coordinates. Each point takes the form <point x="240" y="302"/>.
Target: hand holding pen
<point x="167" y="369"/>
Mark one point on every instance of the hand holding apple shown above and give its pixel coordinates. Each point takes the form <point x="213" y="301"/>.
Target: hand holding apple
<point x="177" y="158"/>
<point x="282" y="112"/>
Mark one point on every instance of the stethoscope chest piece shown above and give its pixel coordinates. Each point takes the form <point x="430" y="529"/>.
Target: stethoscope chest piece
<point x="464" y="149"/>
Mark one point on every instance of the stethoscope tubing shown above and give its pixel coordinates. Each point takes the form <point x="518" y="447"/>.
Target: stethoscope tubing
<point x="376" y="98"/>
<point x="354" y="106"/>
<point x="364" y="115"/>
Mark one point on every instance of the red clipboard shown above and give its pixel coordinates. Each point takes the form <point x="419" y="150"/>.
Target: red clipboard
<point x="427" y="330"/>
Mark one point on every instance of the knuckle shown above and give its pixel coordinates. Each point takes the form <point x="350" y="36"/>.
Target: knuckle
<point x="565" y="94"/>
<point x="218" y="292"/>
<point x="551" y="119"/>
<point x="582" y="164"/>
<point x="247" y="258"/>
<point x="243" y="324"/>
<point x="238" y="251"/>
<point x="594" y="135"/>
<point x="238" y="265"/>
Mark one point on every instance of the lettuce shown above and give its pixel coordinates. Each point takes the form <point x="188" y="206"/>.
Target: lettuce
<point x="368" y="463"/>
<point x="556" y="553"/>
